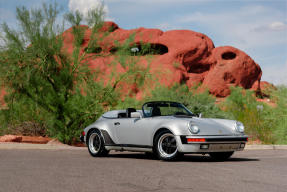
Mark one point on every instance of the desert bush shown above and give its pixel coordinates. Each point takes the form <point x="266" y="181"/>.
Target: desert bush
<point x="51" y="88"/>
<point x="262" y="121"/>
<point x="27" y="128"/>
<point x="279" y="114"/>
<point x="45" y="81"/>
<point x="197" y="102"/>
<point x="256" y="116"/>
<point x="128" y="55"/>
<point x="128" y="102"/>
<point x="21" y="116"/>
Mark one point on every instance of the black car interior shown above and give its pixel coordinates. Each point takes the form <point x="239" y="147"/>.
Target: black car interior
<point x="129" y="111"/>
<point x="155" y="111"/>
<point x="127" y="114"/>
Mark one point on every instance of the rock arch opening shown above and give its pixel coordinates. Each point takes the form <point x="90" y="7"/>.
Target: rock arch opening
<point x="142" y="49"/>
<point x="93" y="49"/>
<point x="228" y="55"/>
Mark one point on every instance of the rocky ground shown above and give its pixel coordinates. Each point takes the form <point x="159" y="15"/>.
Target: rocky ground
<point x="24" y="139"/>
<point x="33" y="140"/>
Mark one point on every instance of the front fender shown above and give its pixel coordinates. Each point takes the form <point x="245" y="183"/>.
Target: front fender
<point x="176" y="127"/>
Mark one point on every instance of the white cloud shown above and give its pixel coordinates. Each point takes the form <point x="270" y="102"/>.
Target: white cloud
<point x="271" y="27"/>
<point x="277" y="25"/>
<point x="83" y="6"/>
<point x="245" y="28"/>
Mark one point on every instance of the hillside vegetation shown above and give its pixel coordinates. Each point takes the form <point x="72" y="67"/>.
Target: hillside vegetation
<point x="51" y="93"/>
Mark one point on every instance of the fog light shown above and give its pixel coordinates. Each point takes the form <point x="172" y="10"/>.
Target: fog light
<point x="242" y="145"/>
<point x="204" y="146"/>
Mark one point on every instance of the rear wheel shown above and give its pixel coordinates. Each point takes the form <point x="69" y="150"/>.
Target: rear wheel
<point x="165" y="146"/>
<point x="221" y="156"/>
<point x="96" y="145"/>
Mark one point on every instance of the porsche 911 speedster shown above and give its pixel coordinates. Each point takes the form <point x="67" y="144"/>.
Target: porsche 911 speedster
<point x="166" y="129"/>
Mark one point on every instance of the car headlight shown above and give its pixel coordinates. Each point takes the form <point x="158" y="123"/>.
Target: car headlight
<point x="239" y="127"/>
<point x="193" y="128"/>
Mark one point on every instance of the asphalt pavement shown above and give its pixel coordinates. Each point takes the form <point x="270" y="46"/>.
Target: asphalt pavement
<point x="63" y="169"/>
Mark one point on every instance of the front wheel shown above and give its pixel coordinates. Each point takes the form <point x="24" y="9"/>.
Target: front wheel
<point x="221" y="156"/>
<point x="96" y="145"/>
<point x="166" y="146"/>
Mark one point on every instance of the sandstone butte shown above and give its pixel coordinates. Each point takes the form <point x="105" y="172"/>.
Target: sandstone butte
<point x="177" y="56"/>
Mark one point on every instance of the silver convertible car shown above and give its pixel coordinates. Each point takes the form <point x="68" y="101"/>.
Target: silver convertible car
<point x="165" y="129"/>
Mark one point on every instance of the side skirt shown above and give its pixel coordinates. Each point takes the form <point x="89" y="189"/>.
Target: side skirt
<point x="110" y="145"/>
<point x="137" y="148"/>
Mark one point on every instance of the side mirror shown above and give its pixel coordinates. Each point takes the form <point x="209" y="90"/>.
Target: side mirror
<point x="136" y="115"/>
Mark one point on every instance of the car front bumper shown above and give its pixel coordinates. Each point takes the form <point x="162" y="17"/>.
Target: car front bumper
<point x="211" y="144"/>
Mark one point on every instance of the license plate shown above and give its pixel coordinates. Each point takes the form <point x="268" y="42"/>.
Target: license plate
<point x="223" y="146"/>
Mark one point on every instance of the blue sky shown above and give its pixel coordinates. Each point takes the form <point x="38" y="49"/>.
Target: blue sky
<point x="258" y="27"/>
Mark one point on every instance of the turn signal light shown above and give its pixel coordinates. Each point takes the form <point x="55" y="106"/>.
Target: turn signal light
<point x="83" y="133"/>
<point x="190" y="140"/>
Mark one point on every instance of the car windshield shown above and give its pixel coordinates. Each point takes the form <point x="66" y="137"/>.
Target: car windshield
<point x="165" y="108"/>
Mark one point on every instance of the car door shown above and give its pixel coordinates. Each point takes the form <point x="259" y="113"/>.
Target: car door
<point x="133" y="131"/>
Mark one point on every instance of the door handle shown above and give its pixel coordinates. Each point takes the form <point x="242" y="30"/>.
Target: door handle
<point x="117" y="123"/>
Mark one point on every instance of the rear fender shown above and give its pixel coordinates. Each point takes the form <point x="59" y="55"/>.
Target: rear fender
<point x="105" y="130"/>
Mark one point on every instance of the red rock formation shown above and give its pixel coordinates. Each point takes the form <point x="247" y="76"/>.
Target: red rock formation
<point x="262" y="85"/>
<point x="35" y="139"/>
<point x="25" y="139"/>
<point x="232" y="68"/>
<point x="10" y="138"/>
<point x="183" y="56"/>
<point x="180" y="56"/>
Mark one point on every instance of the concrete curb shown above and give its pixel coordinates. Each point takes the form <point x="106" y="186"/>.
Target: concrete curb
<point x="269" y="147"/>
<point x="4" y="145"/>
<point x="38" y="146"/>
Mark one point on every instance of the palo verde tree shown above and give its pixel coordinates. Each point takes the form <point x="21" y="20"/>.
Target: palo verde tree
<point x="43" y="80"/>
<point x="54" y="88"/>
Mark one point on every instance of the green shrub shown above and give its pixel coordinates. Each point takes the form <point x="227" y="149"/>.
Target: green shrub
<point x="279" y="114"/>
<point x="21" y="116"/>
<point x="256" y="116"/>
<point x="46" y="85"/>
<point x="197" y="102"/>
<point x="50" y="88"/>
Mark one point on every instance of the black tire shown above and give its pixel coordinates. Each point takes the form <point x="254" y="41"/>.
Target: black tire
<point x="221" y="156"/>
<point x="96" y="145"/>
<point x="165" y="146"/>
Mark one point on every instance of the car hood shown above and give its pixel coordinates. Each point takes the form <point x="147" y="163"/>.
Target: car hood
<point x="210" y="126"/>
